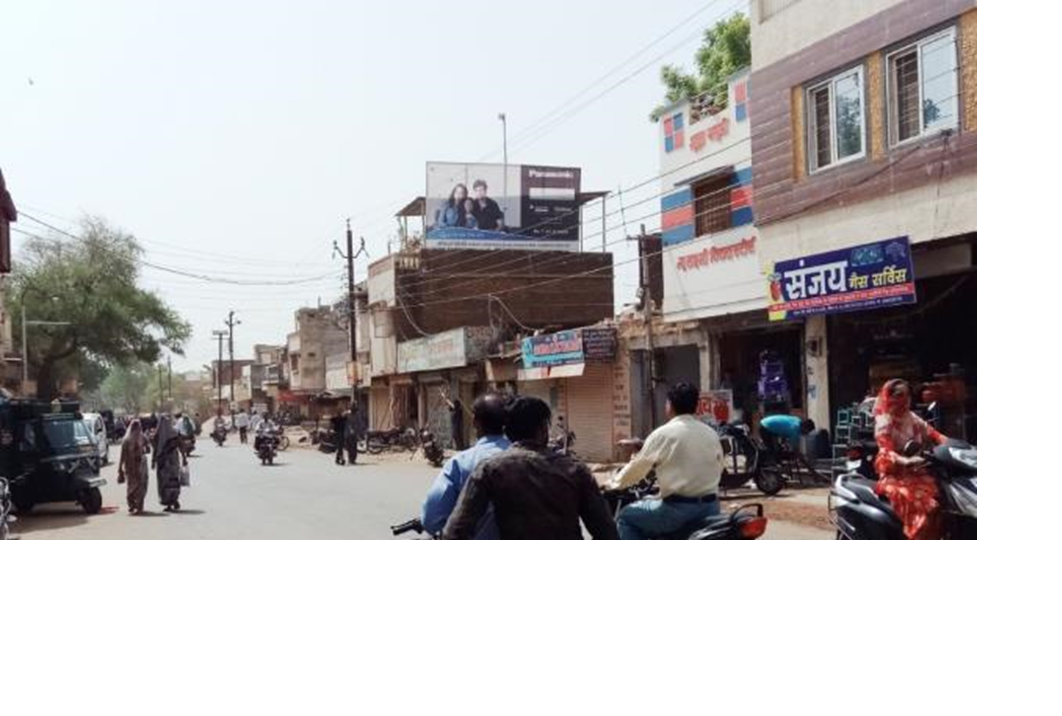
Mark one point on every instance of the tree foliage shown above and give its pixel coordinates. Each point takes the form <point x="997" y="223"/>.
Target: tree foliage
<point x="726" y="48"/>
<point x="91" y="283"/>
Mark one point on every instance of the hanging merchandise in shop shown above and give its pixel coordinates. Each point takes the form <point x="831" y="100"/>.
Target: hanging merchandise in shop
<point x="874" y="275"/>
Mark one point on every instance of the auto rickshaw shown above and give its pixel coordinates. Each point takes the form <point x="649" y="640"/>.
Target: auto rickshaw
<point x="48" y="455"/>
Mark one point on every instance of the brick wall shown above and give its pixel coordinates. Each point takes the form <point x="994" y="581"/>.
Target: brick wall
<point x="783" y="187"/>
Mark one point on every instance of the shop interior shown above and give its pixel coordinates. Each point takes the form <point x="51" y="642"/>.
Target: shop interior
<point x="740" y="369"/>
<point x="932" y="343"/>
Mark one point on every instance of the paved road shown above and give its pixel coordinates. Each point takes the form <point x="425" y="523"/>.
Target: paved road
<point x="303" y="496"/>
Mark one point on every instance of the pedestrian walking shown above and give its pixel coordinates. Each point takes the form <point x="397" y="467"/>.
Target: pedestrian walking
<point x="133" y="466"/>
<point x="339" y="433"/>
<point x="167" y="459"/>
<point x="457" y="421"/>
<point x="350" y="435"/>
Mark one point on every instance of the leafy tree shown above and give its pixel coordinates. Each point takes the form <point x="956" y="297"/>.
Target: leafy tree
<point x="725" y="50"/>
<point x="90" y="282"/>
<point x="126" y="387"/>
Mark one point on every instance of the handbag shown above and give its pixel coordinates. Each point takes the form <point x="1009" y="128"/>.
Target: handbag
<point x="186" y="478"/>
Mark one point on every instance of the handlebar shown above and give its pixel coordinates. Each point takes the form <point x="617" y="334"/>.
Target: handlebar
<point x="414" y="525"/>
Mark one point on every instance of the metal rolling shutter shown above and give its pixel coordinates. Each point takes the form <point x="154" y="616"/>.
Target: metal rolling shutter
<point x="590" y="412"/>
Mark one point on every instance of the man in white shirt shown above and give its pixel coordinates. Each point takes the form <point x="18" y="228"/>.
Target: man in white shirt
<point x="243" y="421"/>
<point x="688" y="458"/>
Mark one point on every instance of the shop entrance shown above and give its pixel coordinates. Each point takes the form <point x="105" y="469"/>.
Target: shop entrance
<point x="739" y="366"/>
<point x="932" y="344"/>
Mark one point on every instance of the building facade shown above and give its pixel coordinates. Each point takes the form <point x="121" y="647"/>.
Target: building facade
<point x="864" y="149"/>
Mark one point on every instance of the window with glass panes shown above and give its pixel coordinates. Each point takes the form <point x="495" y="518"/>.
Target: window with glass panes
<point x="836" y="124"/>
<point x="923" y="82"/>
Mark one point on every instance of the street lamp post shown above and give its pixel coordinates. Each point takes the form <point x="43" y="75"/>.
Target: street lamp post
<point x="505" y="162"/>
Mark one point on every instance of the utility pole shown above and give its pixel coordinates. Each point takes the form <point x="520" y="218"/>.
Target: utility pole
<point x="647" y="316"/>
<point x="232" y="361"/>
<point x="220" y="335"/>
<point x="158" y="405"/>
<point x="169" y="377"/>
<point x="505" y="162"/>
<point x="350" y="255"/>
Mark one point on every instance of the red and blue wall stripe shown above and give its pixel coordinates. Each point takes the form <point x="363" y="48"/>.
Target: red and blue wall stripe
<point x="678" y="223"/>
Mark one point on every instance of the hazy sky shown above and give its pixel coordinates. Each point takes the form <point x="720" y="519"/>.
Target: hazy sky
<point x="233" y="138"/>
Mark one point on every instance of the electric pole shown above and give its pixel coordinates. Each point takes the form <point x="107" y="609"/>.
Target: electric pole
<point x="159" y="404"/>
<point x="169" y="377"/>
<point x="646" y="290"/>
<point x="220" y="335"/>
<point x="350" y="255"/>
<point x="232" y="361"/>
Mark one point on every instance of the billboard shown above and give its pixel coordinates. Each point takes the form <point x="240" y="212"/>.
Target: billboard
<point x="492" y="206"/>
<point x="874" y="275"/>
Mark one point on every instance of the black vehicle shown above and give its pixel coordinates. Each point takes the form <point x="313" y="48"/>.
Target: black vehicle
<point x="858" y="512"/>
<point x="376" y="441"/>
<point x="47" y="455"/>
<point x="219" y="433"/>
<point x="433" y="452"/>
<point x="265" y="446"/>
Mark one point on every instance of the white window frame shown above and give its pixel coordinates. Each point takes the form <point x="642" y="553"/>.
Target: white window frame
<point x="812" y="149"/>
<point x="893" y="128"/>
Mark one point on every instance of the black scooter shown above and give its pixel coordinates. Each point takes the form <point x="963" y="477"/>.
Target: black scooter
<point x="858" y="512"/>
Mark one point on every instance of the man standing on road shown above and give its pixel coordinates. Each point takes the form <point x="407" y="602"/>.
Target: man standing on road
<point x="688" y="458"/>
<point x="488" y="418"/>
<point x="338" y="424"/>
<point x="457" y="420"/>
<point x="536" y="493"/>
<point x="350" y="433"/>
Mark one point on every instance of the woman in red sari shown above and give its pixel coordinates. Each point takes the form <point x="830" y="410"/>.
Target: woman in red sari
<point x="904" y="481"/>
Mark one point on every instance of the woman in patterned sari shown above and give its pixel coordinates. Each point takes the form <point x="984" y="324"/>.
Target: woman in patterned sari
<point x="167" y="460"/>
<point x="132" y="466"/>
<point x="903" y="480"/>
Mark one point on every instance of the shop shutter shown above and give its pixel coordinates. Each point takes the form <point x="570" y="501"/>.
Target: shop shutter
<point x="590" y="412"/>
<point x="380" y="409"/>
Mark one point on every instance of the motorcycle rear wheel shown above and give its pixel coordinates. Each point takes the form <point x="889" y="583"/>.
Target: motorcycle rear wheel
<point x="769" y="480"/>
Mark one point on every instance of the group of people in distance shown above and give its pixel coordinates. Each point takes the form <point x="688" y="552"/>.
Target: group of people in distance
<point x="511" y="485"/>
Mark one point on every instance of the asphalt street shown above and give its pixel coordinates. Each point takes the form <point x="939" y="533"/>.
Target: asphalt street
<point x="303" y="496"/>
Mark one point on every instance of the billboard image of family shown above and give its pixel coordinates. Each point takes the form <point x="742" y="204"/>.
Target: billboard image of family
<point x="489" y="206"/>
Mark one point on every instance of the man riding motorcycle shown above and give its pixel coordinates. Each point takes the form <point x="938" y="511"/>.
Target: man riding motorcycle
<point x="688" y="458"/>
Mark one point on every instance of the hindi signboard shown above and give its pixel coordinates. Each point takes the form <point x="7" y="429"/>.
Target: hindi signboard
<point x="568" y="347"/>
<point x="868" y="276"/>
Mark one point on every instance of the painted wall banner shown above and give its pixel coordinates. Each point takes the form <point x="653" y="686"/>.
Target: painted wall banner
<point x="716" y="406"/>
<point x="442" y="350"/>
<point x="567" y="347"/>
<point x="862" y="277"/>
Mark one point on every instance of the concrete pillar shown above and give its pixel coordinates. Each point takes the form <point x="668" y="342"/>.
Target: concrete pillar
<point x="816" y="362"/>
<point x="709" y="361"/>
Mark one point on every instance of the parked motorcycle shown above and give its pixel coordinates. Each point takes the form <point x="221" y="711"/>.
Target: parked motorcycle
<point x="858" y="512"/>
<point x="376" y="441"/>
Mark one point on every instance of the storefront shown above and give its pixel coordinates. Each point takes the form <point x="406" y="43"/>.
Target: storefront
<point x="574" y="371"/>
<point x="443" y="364"/>
<point x="892" y="310"/>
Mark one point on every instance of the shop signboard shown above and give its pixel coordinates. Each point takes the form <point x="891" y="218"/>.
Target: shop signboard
<point x="568" y="347"/>
<point x="488" y="206"/>
<point x="714" y="275"/>
<point x="862" y="277"/>
<point x="716" y="406"/>
<point x="442" y="350"/>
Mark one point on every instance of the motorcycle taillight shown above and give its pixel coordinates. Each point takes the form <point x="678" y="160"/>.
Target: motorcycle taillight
<point x="855" y="453"/>
<point x="754" y="527"/>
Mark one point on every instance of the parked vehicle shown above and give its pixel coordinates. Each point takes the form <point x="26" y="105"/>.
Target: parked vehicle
<point x="376" y="441"/>
<point x="747" y="522"/>
<point x="748" y="460"/>
<point x="433" y="451"/>
<point x="49" y="455"/>
<point x="115" y="425"/>
<point x="858" y="512"/>
<point x="98" y="429"/>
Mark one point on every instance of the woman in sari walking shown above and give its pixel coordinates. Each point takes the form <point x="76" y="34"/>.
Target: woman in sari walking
<point x="133" y="466"/>
<point x="167" y="460"/>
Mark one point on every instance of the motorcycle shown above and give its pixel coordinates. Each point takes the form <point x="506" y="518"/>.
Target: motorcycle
<point x="433" y="452"/>
<point x="747" y="522"/>
<point x="187" y="444"/>
<point x="219" y="434"/>
<point x="376" y="441"/>
<point x="265" y="446"/>
<point x="858" y="512"/>
<point x="562" y="444"/>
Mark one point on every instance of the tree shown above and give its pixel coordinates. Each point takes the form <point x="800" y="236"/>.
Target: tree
<point x="126" y="387"/>
<point x="90" y="282"/>
<point x="725" y="50"/>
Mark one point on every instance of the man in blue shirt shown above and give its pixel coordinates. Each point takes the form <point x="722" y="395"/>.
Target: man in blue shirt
<point x="488" y="415"/>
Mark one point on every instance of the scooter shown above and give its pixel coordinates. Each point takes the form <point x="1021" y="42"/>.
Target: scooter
<point x="858" y="512"/>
